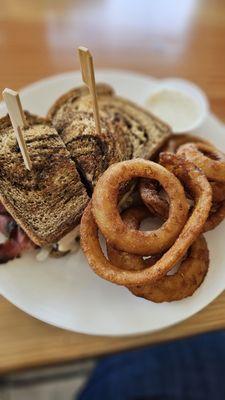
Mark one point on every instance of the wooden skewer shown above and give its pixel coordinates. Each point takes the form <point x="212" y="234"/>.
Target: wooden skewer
<point x="18" y="121"/>
<point x="88" y="76"/>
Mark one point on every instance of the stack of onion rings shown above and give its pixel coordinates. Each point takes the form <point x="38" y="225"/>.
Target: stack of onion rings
<point x="138" y="273"/>
<point x="212" y="162"/>
<point x="212" y="167"/>
<point x="192" y="176"/>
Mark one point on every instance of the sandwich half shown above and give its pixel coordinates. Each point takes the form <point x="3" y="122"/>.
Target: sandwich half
<point x="48" y="201"/>
<point x="127" y="131"/>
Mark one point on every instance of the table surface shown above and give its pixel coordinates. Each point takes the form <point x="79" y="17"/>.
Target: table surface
<point x="162" y="38"/>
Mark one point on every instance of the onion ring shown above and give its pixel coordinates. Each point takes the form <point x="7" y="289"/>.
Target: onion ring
<point x="159" y="206"/>
<point x="216" y="216"/>
<point x="132" y="217"/>
<point x="183" y="283"/>
<point x="218" y="191"/>
<point x="214" y="167"/>
<point x="109" y="221"/>
<point x="198" y="184"/>
<point x="175" y="141"/>
<point x="152" y="199"/>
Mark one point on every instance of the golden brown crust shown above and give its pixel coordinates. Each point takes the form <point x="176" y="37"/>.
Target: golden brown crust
<point x="216" y="216"/>
<point x="181" y="284"/>
<point x="175" y="141"/>
<point x="190" y="275"/>
<point x="218" y="191"/>
<point x="152" y="198"/>
<point x="107" y="216"/>
<point x="207" y="158"/>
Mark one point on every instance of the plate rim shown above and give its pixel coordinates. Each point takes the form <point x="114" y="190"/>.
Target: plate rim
<point x="52" y="78"/>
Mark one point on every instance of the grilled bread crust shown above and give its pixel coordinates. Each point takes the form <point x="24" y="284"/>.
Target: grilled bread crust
<point x="48" y="201"/>
<point x="127" y="130"/>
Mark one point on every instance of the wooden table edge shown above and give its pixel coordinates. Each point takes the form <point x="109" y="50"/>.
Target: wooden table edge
<point x="68" y="347"/>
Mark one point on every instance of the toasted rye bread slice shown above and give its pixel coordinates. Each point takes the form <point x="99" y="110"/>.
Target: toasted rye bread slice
<point x="48" y="201"/>
<point x="127" y="130"/>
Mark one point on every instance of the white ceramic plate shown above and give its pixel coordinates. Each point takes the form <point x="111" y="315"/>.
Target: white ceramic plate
<point x="65" y="292"/>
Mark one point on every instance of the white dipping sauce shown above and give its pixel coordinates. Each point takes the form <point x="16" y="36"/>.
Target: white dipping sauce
<point x="178" y="109"/>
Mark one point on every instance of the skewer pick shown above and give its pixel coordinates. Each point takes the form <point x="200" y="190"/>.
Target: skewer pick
<point x="18" y="121"/>
<point x="88" y="76"/>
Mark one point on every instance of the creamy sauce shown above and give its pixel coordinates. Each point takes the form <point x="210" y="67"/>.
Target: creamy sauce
<point x="43" y="254"/>
<point x="177" y="109"/>
<point x="68" y="242"/>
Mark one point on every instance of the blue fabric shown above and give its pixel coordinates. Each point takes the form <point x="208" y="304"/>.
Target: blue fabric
<point x="189" y="369"/>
